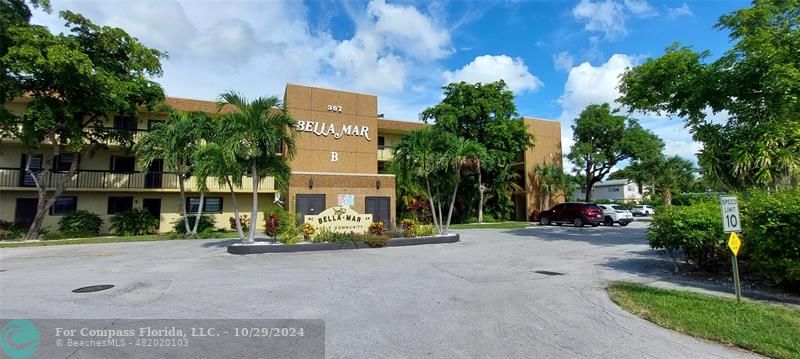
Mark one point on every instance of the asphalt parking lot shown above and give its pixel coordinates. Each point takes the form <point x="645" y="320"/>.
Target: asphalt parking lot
<point x="529" y="293"/>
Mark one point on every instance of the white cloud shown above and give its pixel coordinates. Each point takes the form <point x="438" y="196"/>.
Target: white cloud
<point x="679" y="11"/>
<point x="563" y="61"/>
<point x="606" y="16"/>
<point x="489" y="68"/>
<point x="587" y="84"/>
<point x="405" y="28"/>
<point x="640" y="8"/>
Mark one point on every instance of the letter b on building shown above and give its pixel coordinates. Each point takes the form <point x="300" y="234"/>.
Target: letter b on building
<point x="334" y="156"/>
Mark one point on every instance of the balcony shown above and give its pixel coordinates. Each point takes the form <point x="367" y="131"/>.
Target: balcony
<point x="136" y="135"/>
<point x="385" y="153"/>
<point x="93" y="180"/>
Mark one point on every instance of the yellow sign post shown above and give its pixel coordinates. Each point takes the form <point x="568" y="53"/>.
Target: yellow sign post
<point x="734" y="243"/>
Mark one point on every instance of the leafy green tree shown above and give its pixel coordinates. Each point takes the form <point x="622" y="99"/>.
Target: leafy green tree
<point x="264" y="143"/>
<point x="175" y="142"/>
<point x="551" y="181"/>
<point x="755" y="83"/>
<point x="74" y="80"/>
<point x="418" y="159"/>
<point x="486" y="114"/>
<point x="667" y="175"/>
<point x="603" y="139"/>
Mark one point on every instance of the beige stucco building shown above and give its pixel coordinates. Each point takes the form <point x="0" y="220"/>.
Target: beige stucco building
<point x="343" y="145"/>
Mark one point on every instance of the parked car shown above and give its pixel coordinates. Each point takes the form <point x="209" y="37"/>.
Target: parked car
<point x="643" y="210"/>
<point x="578" y="214"/>
<point x="616" y="214"/>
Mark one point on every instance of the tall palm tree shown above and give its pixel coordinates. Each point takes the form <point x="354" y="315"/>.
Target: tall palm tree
<point x="665" y="174"/>
<point x="214" y="160"/>
<point x="462" y="152"/>
<point x="175" y="141"/>
<point x="417" y="159"/>
<point x="265" y="134"/>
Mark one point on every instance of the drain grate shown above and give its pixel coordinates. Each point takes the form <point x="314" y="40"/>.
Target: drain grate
<point x="93" y="288"/>
<point x="547" y="272"/>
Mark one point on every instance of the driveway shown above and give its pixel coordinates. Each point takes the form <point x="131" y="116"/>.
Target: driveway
<point x="483" y="297"/>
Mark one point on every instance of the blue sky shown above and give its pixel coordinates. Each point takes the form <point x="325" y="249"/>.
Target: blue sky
<point x="557" y="56"/>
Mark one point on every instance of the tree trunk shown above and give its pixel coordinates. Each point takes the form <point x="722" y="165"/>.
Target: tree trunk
<point x="236" y="216"/>
<point x="45" y="201"/>
<point x="480" y="195"/>
<point x="433" y="206"/>
<point x="251" y="236"/>
<point x="183" y="202"/>
<point x="452" y="204"/>
<point x="666" y="196"/>
<point x="38" y="219"/>
<point x="199" y="212"/>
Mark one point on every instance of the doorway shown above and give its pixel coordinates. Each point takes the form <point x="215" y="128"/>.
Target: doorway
<point x="25" y="211"/>
<point x="308" y="204"/>
<point x="153" y="205"/>
<point x="154" y="176"/>
<point x="378" y="207"/>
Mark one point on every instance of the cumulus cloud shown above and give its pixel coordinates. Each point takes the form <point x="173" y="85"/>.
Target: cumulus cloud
<point x="489" y="68"/>
<point x="587" y="84"/>
<point x="607" y="17"/>
<point x="679" y="11"/>
<point x="640" y="8"/>
<point x="563" y="61"/>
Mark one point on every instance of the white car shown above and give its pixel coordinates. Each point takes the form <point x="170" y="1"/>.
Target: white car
<point x="643" y="210"/>
<point x="616" y="214"/>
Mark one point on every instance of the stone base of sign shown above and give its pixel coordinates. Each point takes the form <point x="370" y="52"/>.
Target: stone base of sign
<point x="310" y="247"/>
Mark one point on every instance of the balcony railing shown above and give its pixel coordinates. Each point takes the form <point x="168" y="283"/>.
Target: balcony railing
<point x="385" y="153"/>
<point x="93" y="179"/>
<point x="136" y="135"/>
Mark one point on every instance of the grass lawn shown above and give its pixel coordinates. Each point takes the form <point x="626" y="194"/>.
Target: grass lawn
<point x="766" y="329"/>
<point x="498" y="225"/>
<point x="110" y="239"/>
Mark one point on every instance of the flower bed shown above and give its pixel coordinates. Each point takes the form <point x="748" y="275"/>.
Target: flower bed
<point x="262" y="247"/>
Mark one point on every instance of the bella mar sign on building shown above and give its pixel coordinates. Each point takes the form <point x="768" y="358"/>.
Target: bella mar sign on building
<point x="341" y="220"/>
<point x="328" y="129"/>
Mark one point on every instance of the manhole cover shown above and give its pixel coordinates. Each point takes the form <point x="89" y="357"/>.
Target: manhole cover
<point x="547" y="272"/>
<point x="93" y="288"/>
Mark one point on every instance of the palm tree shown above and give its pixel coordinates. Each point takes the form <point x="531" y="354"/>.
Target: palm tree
<point x="265" y="141"/>
<point x="175" y="142"/>
<point x="665" y="174"/>
<point x="213" y="160"/>
<point x="551" y="180"/>
<point x="462" y="152"/>
<point x="416" y="159"/>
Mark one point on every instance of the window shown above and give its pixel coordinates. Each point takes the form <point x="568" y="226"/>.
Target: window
<point x="615" y="189"/>
<point x="210" y="204"/>
<point x="381" y="142"/>
<point x="119" y="204"/>
<point x="64" y="205"/>
<point x="124" y="123"/>
<point x="62" y="162"/>
<point x="123" y="164"/>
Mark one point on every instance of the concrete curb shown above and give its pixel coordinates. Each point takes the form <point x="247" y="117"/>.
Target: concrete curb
<point x="313" y="247"/>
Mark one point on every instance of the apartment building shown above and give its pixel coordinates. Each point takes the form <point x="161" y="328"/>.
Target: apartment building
<point x="616" y="190"/>
<point x="343" y="145"/>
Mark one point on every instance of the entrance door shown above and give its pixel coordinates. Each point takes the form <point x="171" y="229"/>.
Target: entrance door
<point x="153" y="177"/>
<point x="378" y="207"/>
<point x="152" y="205"/>
<point x="25" y="211"/>
<point x="308" y="204"/>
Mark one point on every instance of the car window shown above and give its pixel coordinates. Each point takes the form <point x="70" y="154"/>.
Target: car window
<point x="619" y="208"/>
<point x="638" y="207"/>
<point x="559" y="207"/>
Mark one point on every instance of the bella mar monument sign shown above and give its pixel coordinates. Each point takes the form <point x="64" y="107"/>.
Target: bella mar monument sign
<point x="341" y="220"/>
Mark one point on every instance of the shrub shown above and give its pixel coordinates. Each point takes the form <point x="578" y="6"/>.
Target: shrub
<point x="10" y="230"/>
<point x="374" y="241"/>
<point x="424" y="230"/>
<point x="696" y="230"/>
<point x="134" y="222"/>
<point x="271" y="222"/>
<point x="322" y="236"/>
<point x="80" y="224"/>
<point x="308" y="231"/>
<point x="770" y="222"/>
<point x="377" y="228"/>
<point x="408" y="227"/>
<point x="345" y="238"/>
<point x="394" y="232"/>
<point x="244" y="219"/>
<point x="206" y="222"/>
<point x="55" y="235"/>
<point x="282" y="225"/>
<point x="688" y="199"/>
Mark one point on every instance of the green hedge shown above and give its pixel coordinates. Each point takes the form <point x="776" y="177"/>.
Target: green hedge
<point x="134" y="222"/>
<point x="80" y="224"/>
<point x="771" y="243"/>
<point x="696" y="230"/>
<point x="770" y="223"/>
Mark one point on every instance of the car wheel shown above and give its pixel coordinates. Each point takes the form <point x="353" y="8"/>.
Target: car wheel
<point x="623" y="223"/>
<point x="608" y="221"/>
<point x="578" y="222"/>
<point x="544" y="221"/>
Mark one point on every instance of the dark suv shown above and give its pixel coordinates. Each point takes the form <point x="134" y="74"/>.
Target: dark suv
<point x="575" y="213"/>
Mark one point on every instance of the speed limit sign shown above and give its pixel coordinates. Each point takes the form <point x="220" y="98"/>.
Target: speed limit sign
<point x="731" y="221"/>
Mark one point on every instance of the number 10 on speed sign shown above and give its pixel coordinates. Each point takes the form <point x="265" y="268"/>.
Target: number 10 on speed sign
<point x="730" y="214"/>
